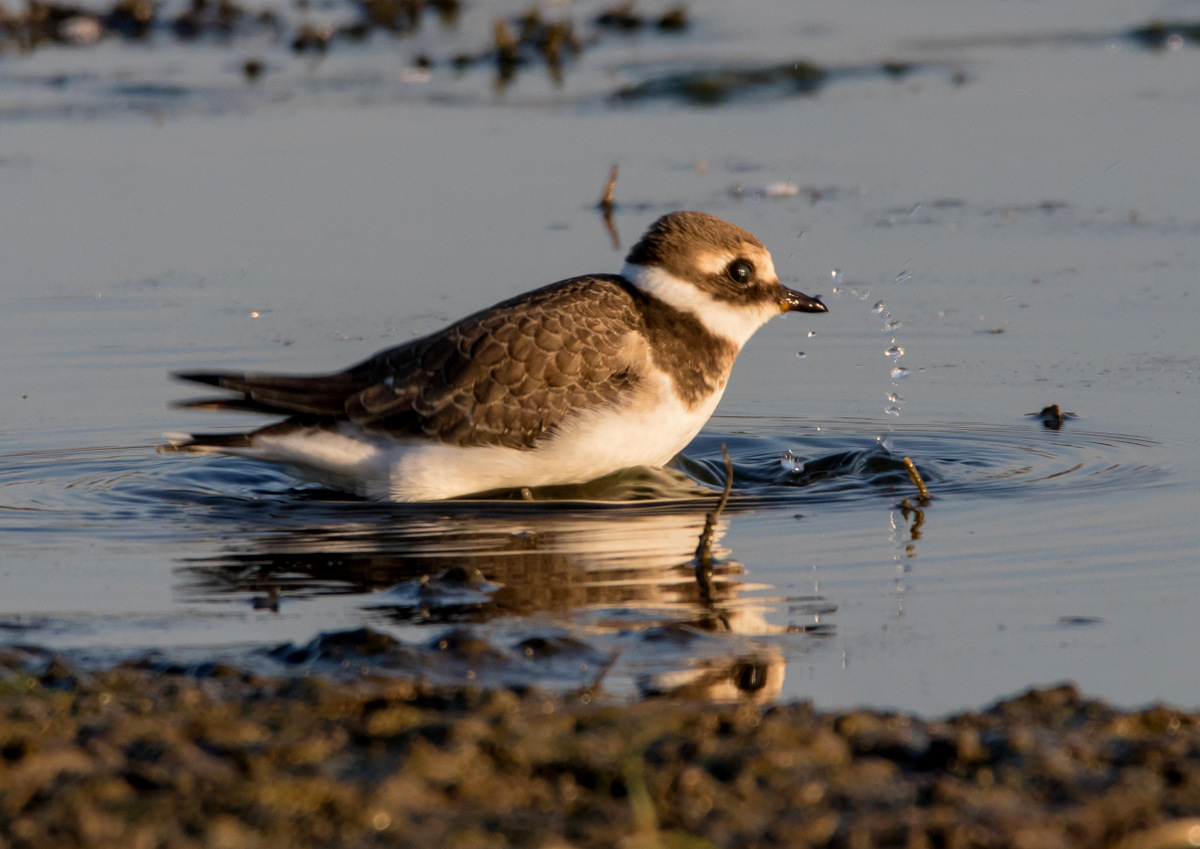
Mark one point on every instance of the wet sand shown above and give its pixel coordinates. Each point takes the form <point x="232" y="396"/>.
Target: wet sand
<point x="134" y="757"/>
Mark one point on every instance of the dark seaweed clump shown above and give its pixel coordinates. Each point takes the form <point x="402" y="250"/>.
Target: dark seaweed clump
<point x="714" y="86"/>
<point x="1158" y="35"/>
<point x="710" y="87"/>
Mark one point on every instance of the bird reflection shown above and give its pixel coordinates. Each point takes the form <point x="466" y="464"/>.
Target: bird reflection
<point x="592" y="596"/>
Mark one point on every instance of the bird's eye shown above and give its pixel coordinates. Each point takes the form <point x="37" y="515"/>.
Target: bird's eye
<point x="740" y="271"/>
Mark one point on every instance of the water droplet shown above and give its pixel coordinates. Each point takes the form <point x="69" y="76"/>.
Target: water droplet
<point x="904" y="276"/>
<point x="894" y="353"/>
<point x="812" y="333"/>
<point x="801" y="355"/>
<point x="864" y="294"/>
<point x="899" y="373"/>
<point x="895" y="397"/>
<point x="792" y="462"/>
<point x="836" y="274"/>
<point x="892" y="411"/>
<point x="878" y="308"/>
<point x="885" y="442"/>
<point x="893" y="324"/>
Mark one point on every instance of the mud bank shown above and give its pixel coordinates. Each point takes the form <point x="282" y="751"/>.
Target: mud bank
<point x="134" y="757"/>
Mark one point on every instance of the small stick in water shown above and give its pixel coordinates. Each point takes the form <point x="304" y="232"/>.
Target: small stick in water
<point x="915" y="477"/>
<point x="606" y="206"/>
<point x="608" y="199"/>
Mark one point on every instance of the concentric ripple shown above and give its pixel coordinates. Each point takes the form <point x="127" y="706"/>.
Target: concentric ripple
<point x="774" y="461"/>
<point x="853" y="460"/>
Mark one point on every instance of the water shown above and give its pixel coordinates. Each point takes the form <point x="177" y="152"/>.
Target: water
<point x="336" y="208"/>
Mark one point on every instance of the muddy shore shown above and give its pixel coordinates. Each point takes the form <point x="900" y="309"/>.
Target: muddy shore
<point x="219" y="756"/>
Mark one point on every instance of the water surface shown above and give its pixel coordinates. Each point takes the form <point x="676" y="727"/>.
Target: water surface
<point x="987" y="213"/>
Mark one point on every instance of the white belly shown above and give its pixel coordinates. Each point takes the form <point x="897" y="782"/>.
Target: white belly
<point x="591" y="445"/>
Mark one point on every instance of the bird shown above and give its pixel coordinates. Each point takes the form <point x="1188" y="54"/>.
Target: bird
<point x="561" y="385"/>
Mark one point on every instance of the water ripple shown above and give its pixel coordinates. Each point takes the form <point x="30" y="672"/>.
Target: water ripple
<point x="775" y="462"/>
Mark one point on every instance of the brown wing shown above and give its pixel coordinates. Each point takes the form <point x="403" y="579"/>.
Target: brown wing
<point x="504" y="376"/>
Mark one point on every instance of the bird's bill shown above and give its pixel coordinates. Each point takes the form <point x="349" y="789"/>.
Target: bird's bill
<point x="792" y="301"/>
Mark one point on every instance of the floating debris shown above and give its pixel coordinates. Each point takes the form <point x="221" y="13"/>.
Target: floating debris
<point x="620" y="17"/>
<point x="709" y="87"/>
<point x="252" y="69"/>
<point x="311" y="38"/>
<point x="674" y="20"/>
<point x="1052" y="416"/>
<point x="897" y="70"/>
<point x="1162" y="35"/>
<point x="396" y="16"/>
<point x="623" y="19"/>
<point x="781" y="190"/>
<point x="1080" y="621"/>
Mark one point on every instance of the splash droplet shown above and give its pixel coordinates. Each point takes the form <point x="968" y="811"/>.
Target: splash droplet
<point x="895" y="397"/>
<point x="801" y="355"/>
<point x="812" y="333"/>
<point x="792" y="462"/>
<point x="893" y="324"/>
<point x="878" y="308"/>
<point x="836" y="274"/>
<point x="892" y="411"/>
<point x="885" y="442"/>
<point x="894" y="353"/>
<point x="904" y="276"/>
<point x="900" y="372"/>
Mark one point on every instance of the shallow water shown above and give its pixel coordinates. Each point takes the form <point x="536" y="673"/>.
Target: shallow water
<point x="1028" y="247"/>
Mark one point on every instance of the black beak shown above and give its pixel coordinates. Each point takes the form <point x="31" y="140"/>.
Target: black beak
<point x="793" y="301"/>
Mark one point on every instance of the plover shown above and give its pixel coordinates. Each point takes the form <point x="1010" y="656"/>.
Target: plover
<point x="561" y="385"/>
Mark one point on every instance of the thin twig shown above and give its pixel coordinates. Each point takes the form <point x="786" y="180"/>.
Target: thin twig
<point x="606" y="206"/>
<point x="608" y="198"/>
<point x="915" y="477"/>
<point x="594" y="687"/>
